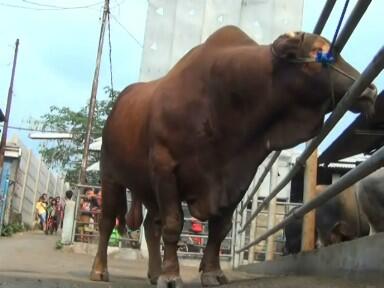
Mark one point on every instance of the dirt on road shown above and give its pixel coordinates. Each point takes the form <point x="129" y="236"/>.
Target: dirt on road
<point x="31" y="260"/>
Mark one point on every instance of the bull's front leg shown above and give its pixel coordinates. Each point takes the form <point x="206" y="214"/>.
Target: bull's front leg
<point x="212" y="275"/>
<point x="152" y="235"/>
<point x="171" y="215"/>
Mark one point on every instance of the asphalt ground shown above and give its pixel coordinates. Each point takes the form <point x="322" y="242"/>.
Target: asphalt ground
<point x="31" y="260"/>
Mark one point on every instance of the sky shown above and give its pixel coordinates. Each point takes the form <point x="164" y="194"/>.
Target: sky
<point x="57" y="51"/>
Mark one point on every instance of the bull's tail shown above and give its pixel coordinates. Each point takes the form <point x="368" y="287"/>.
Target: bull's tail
<point x="135" y="215"/>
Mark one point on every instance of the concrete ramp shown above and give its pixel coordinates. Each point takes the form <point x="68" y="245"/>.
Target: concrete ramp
<point x="358" y="260"/>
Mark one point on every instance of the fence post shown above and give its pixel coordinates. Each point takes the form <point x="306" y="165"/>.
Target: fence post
<point x="236" y="244"/>
<point x="24" y="187"/>
<point x="271" y="214"/>
<point x="243" y="217"/>
<point x="76" y="215"/>
<point x="252" y="233"/>
<point x="309" y="220"/>
<point x="35" y="188"/>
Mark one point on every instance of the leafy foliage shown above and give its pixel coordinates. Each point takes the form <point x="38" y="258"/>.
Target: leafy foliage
<point x="10" y="229"/>
<point x="65" y="155"/>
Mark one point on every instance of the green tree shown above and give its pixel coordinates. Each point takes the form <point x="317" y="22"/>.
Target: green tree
<point x="66" y="155"/>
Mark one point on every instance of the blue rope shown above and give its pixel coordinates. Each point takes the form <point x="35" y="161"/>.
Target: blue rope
<point x="327" y="58"/>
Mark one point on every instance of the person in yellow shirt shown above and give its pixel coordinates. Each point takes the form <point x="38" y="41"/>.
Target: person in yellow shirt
<point x="41" y="211"/>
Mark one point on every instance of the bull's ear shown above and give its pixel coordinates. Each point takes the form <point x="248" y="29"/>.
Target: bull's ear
<point x="342" y="228"/>
<point x="288" y="45"/>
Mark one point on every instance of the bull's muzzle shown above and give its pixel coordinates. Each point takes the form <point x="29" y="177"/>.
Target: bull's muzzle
<point x="366" y="102"/>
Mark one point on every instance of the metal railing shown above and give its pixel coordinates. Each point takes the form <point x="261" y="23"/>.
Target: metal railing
<point x="86" y="226"/>
<point x="191" y="244"/>
<point x="375" y="162"/>
<point x="364" y="169"/>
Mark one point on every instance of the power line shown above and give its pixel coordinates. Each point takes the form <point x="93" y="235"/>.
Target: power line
<point x="126" y="30"/>
<point x="62" y="7"/>
<point x="45" y="130"/>
<point x="47" y="7"/>
<point x="110" y="49"/>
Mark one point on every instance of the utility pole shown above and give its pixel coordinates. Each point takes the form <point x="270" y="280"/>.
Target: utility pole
<point x="92" y="103"/>
<point x="8" y="109"/>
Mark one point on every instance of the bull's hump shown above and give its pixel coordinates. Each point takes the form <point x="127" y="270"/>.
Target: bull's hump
<point x="229" y="36"/>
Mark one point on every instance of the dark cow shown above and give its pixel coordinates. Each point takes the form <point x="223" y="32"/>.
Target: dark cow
<point x="371" y="196"/>
<point x="293" y="231"/>
<point x="339" y="219"/>
<point x="199" y="133"/>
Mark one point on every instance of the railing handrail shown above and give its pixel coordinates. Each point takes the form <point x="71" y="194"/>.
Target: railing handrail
<point x="328" y="7"/>
<point x="268" y="167"/>
<point x="364" y="169"/>
<point x="366" y="78"/>
<point x="352" y="21"/>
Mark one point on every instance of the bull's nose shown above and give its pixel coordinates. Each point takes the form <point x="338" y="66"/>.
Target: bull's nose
<point x="366" y="102"/>
<point x="370" y="92"/>
<point x="373" y="89"/>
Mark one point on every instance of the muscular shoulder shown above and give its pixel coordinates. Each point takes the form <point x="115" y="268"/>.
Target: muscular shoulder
<point x="229" y="36"/>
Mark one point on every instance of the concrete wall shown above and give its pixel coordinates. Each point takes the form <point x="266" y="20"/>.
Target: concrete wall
<point x="173" y="27"/>
<point x="30" y="178"/>
<point x="358" y="259"/>
<point x="285" y="162"/>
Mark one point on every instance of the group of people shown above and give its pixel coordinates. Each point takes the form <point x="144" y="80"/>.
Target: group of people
<point x="50" y="212"/>
<point x="90" y="208"/>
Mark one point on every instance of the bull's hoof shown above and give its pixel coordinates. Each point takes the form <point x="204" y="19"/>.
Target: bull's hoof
<point x="165" y="281"/>
<point x="213" y="278"/>
<point x="152" y="279"/>
<point x="99" y="276"/>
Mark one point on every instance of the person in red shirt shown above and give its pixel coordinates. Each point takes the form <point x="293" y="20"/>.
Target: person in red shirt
<point x="197" y="228"/>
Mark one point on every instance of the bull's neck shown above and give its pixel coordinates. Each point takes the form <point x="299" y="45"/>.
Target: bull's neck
<point x="242" y="91"/>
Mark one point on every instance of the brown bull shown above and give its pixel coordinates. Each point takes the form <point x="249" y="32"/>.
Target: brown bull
<point x="199" y="133"/>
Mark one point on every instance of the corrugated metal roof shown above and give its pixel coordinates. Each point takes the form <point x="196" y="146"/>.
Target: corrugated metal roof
<point x="340" y="165"/>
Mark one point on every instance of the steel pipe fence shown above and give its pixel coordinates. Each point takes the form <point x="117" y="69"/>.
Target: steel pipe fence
<point x="268" y="167"/>
<point x="191" y="244"/>
<point x="365" y="79"/>
<point x="370" y="165"/>
<point x="324" y="16"/>
<point x="352" y="21"/>
<point x="259" y="226"/>
<point x="86" y="224"/>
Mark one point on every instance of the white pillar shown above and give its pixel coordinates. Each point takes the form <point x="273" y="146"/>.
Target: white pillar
<point x="271" y="214"/>
<point x="236" y="239"/>
<point x="243" y="217"/>
<point x="252" y="233"/>
<point x="68" y="221"/>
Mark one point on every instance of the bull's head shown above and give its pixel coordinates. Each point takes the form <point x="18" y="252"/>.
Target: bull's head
<point x="296" y="53"/>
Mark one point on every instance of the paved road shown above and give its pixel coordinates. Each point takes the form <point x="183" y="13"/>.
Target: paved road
<point x="30" y="260"/>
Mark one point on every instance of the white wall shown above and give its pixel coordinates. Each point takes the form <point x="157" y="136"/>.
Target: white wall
<point x="173" y="27"/>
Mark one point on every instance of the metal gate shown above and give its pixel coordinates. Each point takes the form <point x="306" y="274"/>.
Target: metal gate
<point x="86" y="226"/>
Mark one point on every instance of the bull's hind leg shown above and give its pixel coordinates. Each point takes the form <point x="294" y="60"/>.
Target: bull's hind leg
<point x="171" y="215"/>
<point x="212" y="275"/>
<point x="113" y="205"/>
